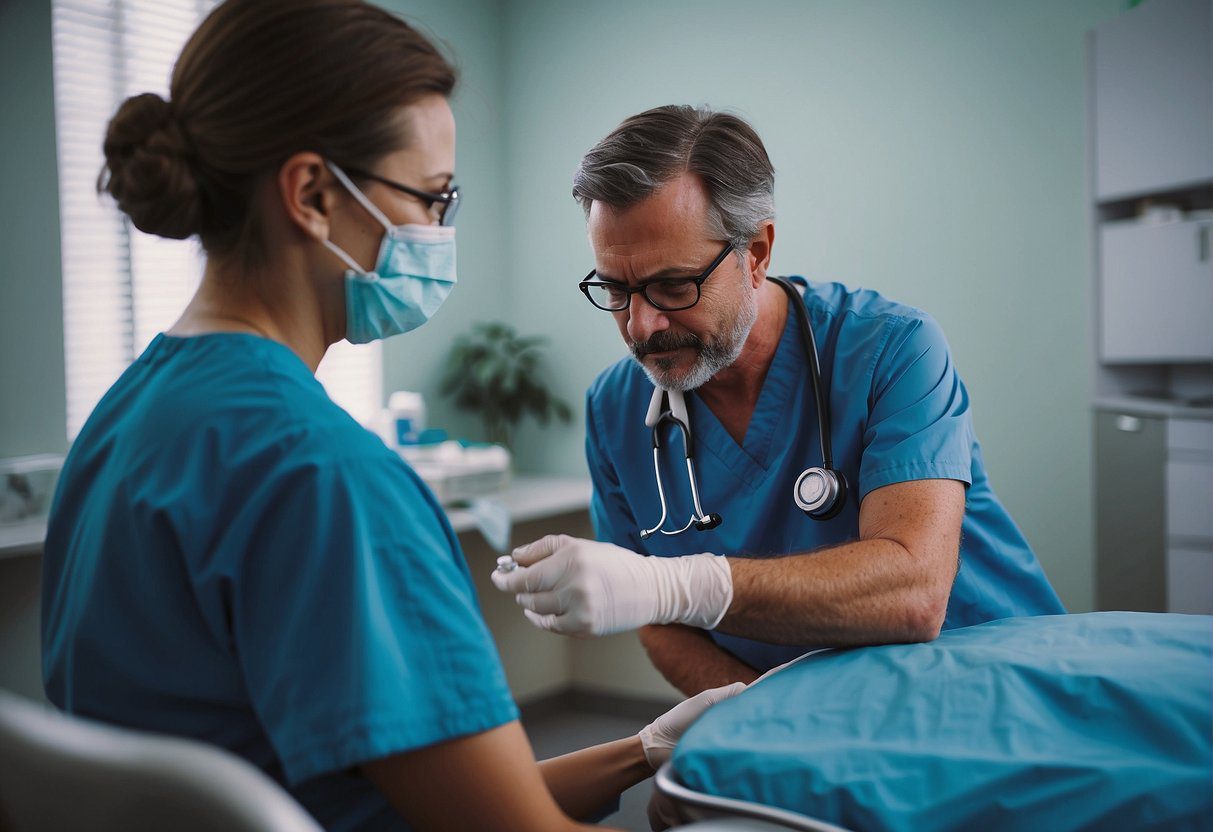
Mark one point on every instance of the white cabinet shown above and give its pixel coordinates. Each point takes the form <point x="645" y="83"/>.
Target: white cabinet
<point x="1189" y="498"/>
<point x="1153" y="109"/>
<point x="1154" y="512"/>
<point x="1157" y="299"/>
<point x="1189" y="580"/>
<point x="1150" y="134"/>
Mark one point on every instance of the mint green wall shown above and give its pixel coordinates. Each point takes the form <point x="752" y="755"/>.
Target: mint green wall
<point x="934" y="151"/>
<point x="32" y="400"/>
<point x="473" y="31"/>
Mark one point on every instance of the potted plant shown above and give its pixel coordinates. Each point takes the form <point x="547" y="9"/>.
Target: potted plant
<point x="494" y="371"/>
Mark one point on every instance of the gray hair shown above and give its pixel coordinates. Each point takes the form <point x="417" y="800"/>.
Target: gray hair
<point x="652" y="148"/>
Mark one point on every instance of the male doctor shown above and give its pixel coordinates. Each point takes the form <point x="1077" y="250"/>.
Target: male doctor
<point x="680" y="211"/>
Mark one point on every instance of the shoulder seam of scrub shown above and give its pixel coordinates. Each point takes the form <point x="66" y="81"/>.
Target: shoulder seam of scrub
<point x="892" y="325"/>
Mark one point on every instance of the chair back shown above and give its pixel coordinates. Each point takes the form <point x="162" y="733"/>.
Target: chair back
<point x="62" y="773"/>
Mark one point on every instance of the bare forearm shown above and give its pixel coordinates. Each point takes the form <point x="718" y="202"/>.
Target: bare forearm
<point x="487" y="780"/>
<point x="865" y="592"/>
<point x="690" y="660"/>
<point x="584" y="781"/>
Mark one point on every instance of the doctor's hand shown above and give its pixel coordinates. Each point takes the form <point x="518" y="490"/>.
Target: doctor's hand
<point x="585" y="588"/>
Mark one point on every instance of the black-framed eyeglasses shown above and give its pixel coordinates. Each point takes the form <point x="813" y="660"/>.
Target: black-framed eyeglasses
<point x="447" y="201"/>
<point x="669" y="294"/>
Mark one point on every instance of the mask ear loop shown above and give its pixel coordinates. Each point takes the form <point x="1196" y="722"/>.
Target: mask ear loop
<point x="356" y="271"/>
<point x="371" y="208"/>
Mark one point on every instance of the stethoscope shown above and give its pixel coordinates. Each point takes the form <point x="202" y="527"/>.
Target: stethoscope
<point x="820" y="492"/>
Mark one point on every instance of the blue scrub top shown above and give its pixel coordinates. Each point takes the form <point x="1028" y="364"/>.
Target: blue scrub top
<point x="232" y="558"/>
<point x="899" y="412"/>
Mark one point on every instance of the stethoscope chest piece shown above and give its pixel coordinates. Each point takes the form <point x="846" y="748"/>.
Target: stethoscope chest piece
<point x="820" y="492"/>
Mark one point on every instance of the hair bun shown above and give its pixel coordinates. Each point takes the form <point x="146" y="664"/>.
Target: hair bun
<point x="148" y="169"/>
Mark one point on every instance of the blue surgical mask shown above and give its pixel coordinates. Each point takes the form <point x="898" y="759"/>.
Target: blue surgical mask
<point x="414" y="273"/>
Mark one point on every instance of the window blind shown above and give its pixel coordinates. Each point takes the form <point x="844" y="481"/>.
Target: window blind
<point x="121" y="286"/>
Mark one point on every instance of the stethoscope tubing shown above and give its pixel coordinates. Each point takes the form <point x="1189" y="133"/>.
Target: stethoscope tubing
<point x="688" y="441"/>
<point x="676" y="413"/>
<point x="796" y="302"/>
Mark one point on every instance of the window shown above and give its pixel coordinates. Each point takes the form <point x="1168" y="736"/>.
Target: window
<point x="121" y="286"/>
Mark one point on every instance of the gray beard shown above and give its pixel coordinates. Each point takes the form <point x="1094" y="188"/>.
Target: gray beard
<point x="712" y="357"/>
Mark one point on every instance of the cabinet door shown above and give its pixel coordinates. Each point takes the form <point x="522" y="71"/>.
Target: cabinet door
<point x="1156" y="292"/>
<point x="1154" y="98"/>
<point x="1130" y="509"/>
<point x="1190" y="516"/>
<point x="1190" y="500"/>
<point x="1190" y="580"/>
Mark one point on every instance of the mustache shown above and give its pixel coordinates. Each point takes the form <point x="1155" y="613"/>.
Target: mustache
<point x="664" y="341"/>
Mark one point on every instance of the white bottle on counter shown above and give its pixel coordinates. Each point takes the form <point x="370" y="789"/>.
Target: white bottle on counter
<point x="406" y="412"/>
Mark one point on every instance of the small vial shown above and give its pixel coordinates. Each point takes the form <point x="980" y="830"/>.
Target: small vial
<point x="506" y="563"/>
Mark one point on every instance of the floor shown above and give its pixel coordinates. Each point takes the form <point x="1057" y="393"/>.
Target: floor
<point x="567" y="728"/>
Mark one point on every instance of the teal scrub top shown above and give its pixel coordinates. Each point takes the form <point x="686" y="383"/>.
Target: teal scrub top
<point x="232" y="558"/>
<point x="899" y="412"/>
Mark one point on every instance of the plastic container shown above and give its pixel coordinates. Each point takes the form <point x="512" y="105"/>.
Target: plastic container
<point x="27" y="484"/>
<point x="457" y="472"/>
<point x="406" y="417"/>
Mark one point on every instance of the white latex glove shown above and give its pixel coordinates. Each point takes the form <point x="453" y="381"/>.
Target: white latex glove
<point x="661" y="735"/>
<point x="585" y="588"/>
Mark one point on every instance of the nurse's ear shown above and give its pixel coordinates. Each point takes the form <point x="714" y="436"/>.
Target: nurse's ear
<point x="307" y="192"/>
<point x="758" y="255"/>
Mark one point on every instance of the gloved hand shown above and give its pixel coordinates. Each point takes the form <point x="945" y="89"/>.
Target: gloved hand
<point x="661" y="735"/>
<point x="584" y="588"/>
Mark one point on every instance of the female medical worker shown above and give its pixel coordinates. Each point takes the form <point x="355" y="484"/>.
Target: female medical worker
<point x="230" y="556"/>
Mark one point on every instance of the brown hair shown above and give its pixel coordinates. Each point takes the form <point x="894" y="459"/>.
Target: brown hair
<point x="257" y="82"/>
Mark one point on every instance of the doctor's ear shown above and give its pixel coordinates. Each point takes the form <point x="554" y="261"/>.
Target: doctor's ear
<point x="308" y="193"/>
<point x="758" y="254"/>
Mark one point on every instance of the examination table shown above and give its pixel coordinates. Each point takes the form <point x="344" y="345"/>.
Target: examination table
<point x="1094" y="721"/>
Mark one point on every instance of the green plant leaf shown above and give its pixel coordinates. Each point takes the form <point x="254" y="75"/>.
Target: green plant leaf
<point x="493" y="371"/>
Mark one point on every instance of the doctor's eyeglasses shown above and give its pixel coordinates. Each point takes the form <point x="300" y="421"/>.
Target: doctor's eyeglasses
<point x="669" y="294"/>
<point x="443" y="206"/>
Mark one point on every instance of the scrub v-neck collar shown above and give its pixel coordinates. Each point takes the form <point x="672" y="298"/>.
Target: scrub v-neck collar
<point x="774" y="408"/>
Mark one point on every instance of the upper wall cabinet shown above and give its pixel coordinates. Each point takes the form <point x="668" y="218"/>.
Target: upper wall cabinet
<point x="1157" y="300"/>
<point x="1153" y="101"/>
